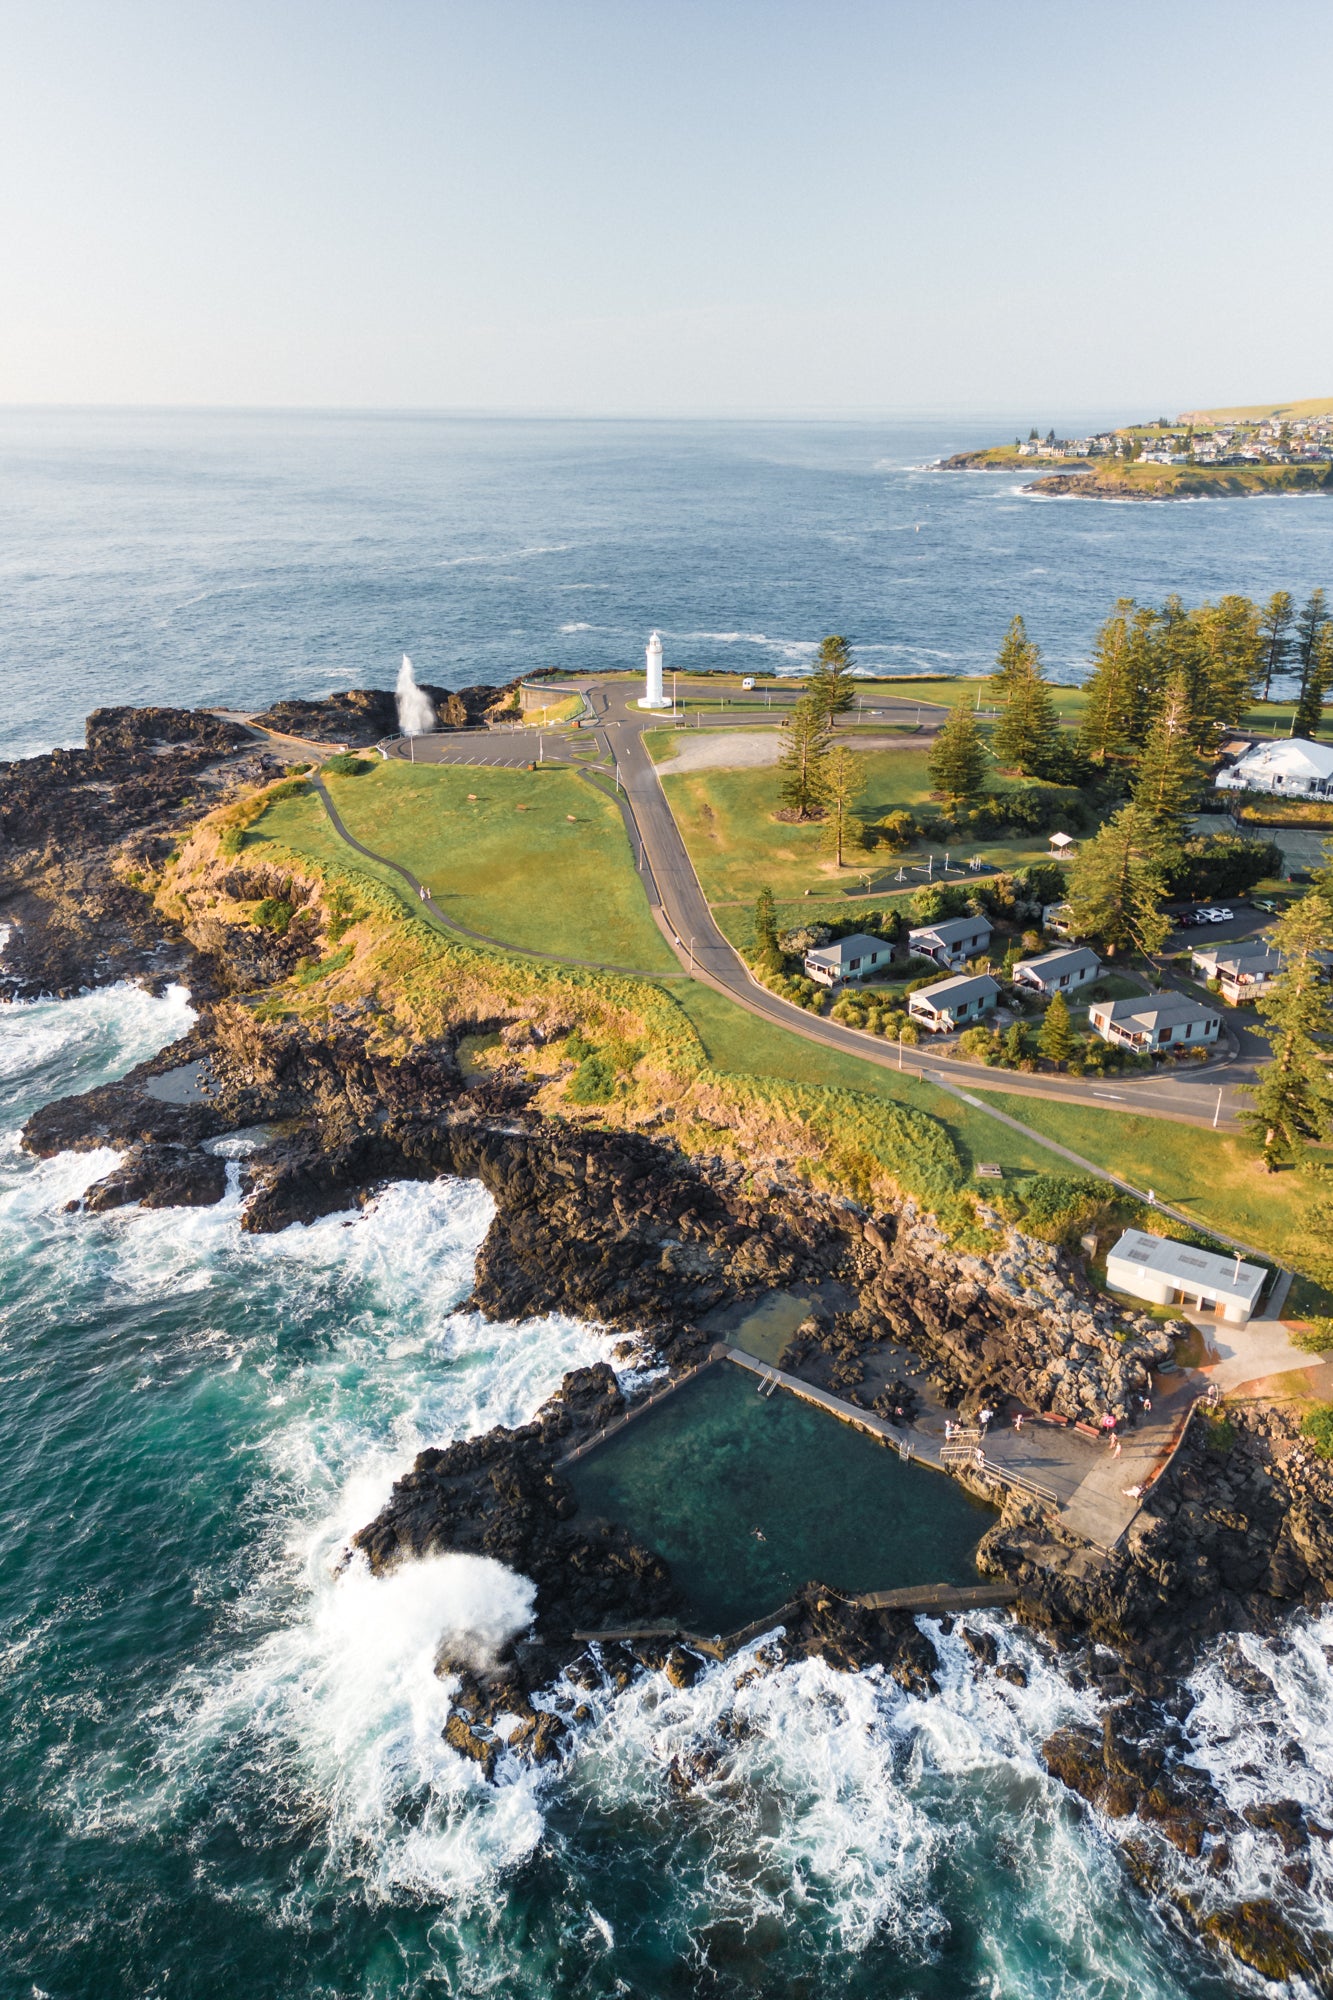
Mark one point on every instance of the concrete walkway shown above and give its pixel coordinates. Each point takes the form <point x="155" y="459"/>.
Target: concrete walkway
<point x="1089" y="1486"/>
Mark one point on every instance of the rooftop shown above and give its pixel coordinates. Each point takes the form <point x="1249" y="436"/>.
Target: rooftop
<point x="948" y="992"/>
<point x="1147" y="1014"/>
<point x="840" y="950"/>
<point x="952" y="930"/>
<point x="1065" y="958"/>
<point x="1228" y="1277"/>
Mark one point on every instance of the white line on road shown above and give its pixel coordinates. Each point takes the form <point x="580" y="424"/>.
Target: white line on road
<point x="1110" y="1093"/>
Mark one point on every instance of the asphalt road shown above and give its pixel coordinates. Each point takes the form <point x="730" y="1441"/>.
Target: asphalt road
<point x="1206" y="1097"/>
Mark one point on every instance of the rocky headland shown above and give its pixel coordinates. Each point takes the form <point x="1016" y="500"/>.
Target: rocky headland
<point x="627" y="1229"/>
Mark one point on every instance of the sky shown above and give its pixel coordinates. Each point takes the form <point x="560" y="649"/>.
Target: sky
<point x="658" y="206"/>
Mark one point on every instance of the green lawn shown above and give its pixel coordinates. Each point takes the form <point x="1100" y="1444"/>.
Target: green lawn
<point x="742" y="1044"/>
<point x="1274" y="718"/>
<point x="538" y="859"/>
<point x="726" y="821"/>
<point x="1212" y="1176"/>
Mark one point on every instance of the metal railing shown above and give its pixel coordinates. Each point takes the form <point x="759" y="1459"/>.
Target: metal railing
<point x="974" y="1458"/>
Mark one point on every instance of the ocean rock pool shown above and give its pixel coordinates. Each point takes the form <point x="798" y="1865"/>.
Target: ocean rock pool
<point x="750" y="1496"/>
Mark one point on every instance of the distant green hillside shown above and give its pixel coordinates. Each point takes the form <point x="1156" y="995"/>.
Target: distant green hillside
<point x="1257" y="413"/>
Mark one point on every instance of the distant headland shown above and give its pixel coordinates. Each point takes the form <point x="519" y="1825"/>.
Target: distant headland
<point x="1202" y="454"/>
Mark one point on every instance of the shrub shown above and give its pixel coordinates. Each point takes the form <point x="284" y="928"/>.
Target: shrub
<point x="273" y="914"/>
<point x="1316" y="1338"/>
<point x="1058" y="1206"/>
<point x="897" y="830"/>
<point x="345" y="765"/>
<point x="593" y="1082"/>
<point x="287" y="788"/>
<point x="577" y="1049"/>
<point x="979" y="1045"/>
<point x="231" y="840"/>
<point x="1317" y="1426"/>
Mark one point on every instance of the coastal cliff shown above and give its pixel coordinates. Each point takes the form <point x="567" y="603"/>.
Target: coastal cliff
<point x="632" y="1230"/>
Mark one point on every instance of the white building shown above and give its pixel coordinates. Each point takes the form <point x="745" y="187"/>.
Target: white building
<point x="1173" y="1274"/>
<point x="1169" y="1020"/>
<point x="1242" y="970"/>
<point x="1058" y="971"/>
<point x="856" y="957"/>
<point x="1296" y="766"/>
<point x="952" y="942"/>
<point x="953" y="1003"/>
<point x="652" y="696"/>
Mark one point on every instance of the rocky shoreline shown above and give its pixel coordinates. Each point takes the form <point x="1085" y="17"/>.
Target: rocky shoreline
<point x="622" y="1229"/>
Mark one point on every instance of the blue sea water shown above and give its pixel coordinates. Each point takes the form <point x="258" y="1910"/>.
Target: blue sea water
<point x="221" y="1766"/>
<point x="236" y="558"/>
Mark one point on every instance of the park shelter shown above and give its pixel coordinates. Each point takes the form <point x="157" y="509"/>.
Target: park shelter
<point x="1168" y="1273"/>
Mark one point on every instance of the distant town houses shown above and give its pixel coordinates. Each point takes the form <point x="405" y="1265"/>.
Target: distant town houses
<point x="1304" y="440"/>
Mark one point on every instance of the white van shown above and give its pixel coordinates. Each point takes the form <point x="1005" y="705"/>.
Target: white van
<point x="748" y="683"/>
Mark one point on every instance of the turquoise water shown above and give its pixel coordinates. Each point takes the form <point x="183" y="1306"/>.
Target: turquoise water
<point x="235" y="557"/>
<point x="221" y="1767"/>
<point x="750" y="1496"/>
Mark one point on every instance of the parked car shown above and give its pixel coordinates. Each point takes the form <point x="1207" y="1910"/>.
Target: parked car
<point x="1185" y="920"/>
<point x="1268" y="903"/>
<point x="1213" y="915"/>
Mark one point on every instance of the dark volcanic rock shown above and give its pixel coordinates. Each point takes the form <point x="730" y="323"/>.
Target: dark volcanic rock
<point x="160" y="1177"/>
<point x="359" y="717"/>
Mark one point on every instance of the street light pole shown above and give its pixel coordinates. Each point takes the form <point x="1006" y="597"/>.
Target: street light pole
<point x="1217" y="1109"/>
<point x="691" y="958"/>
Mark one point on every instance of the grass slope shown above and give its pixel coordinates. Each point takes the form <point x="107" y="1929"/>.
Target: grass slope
<point x="537" y="859"/>
<point x="1212" y="1176"/>
<point x="726" y="821"/>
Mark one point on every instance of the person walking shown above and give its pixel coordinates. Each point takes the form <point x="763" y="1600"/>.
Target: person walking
<point x="1018" y="1421"/>
<point x="984" y="1419"/>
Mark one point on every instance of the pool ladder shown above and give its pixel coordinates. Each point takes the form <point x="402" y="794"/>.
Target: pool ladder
<point x="769" y="1382"/>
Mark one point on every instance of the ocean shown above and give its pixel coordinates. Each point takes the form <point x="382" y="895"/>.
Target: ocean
<point x="233" y="559"/>
<point x="221" y="1765"/>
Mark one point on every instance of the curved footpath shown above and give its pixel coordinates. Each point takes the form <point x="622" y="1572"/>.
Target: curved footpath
<point x="682" y="911"/>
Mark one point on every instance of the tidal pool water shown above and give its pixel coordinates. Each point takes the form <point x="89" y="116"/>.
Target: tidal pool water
<point x="749" y="1496"/>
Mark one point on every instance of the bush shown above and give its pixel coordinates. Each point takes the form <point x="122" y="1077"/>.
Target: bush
<point x="346" y="765"/>
<point x="1316" y="1338"/>
<point x="1219" y="865"/>
<point x="273" y="914"/>
<point x="980" y="1045"/>
<point x="1219" y="1433"/>
<point x="935" y="901"/>
<point x="593" y="1082"/>
<point x="1056" y="1207"/>
<point x="577" y="1047"/>
<point x="231" y="840"/>
<point x="897" y="830"/>
<point x="287" y="788"/>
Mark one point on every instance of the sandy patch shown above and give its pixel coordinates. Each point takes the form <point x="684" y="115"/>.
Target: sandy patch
<point x="743" y="749"/>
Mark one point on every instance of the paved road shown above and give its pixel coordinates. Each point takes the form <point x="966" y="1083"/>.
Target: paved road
<point x="1207" y="1097"/>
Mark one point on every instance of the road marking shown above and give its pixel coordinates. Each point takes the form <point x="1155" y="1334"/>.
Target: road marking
<point x="1109" y="1093"/>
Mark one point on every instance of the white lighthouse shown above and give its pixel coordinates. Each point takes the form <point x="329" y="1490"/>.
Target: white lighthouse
<point x="653" y="696"/>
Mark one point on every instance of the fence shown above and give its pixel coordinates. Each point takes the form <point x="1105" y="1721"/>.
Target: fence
<point x="973" y="1457"/>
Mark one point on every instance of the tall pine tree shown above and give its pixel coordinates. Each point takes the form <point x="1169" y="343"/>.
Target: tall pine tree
<point x="1166" y="784"/>
<point x="1017" y="659"/>
<point x="959" y="760"/>
<point x="1056" y="1039"/>
<point x="1234" y="651"/>
<point x="1293" y="1097"/>
<point x="805" y="741"/>
<point x="1116" y="885"/>
<point x="1025" y="734"/>
<point x="1117" y="690"/>
<point x="843" y="830"/>
<point x="1310" y="708"/>
<point x="831" y="688"/>
<point x="1275" y="637"/>
<point x="1307" y="653"/>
